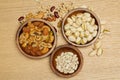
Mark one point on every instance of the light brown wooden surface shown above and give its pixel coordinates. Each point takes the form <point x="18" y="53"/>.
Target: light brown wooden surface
<point x="15" y="66"/>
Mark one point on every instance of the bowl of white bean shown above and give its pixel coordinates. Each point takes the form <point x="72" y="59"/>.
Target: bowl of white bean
<point x="66" y="61"/>
<point x="81" y="27"/>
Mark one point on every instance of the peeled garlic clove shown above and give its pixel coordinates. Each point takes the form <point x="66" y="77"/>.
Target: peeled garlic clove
<point x="70" y="21"/>
<point x="92" y="53"/>
<point x="99" y="52"/>
<point x="97" y="45"/>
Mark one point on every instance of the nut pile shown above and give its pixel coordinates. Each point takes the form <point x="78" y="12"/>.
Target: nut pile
<point x="81" y="28"/>
<point x="67" y="62"/>
<point x="36" y="38"/>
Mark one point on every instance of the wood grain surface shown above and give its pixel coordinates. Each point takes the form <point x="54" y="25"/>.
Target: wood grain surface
<point x="15" y="66"/>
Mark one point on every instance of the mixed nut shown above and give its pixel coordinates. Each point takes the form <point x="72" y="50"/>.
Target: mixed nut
<point x="36" y="38"/>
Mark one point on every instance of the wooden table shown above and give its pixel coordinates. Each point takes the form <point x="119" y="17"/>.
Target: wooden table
<point x="15" y="66"/>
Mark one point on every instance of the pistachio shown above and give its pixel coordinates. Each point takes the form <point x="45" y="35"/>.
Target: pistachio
<point x="92" y="53"/>
<point x="97" y="45"/>
<point x="99" y="52"/>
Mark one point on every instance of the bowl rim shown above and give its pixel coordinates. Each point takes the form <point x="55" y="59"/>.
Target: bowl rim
<point x="30" y="56"/>
<point x="79" y="68"/>
<point x="86" y="10"/>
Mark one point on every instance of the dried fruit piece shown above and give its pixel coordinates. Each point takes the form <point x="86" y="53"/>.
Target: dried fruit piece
<point x="26" y="30"/>
<point x="45" y="31"/>
<point x="52" y="8"/>
<point x="36" y="23"/>
<point x="51" y="39"/>
<point x="44" y="50"/>
<point x="41" y="24"/>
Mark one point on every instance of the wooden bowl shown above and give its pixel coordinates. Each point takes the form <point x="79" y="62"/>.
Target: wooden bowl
<point x="58" y="51"/>
<point x="20" y="30"/>
<point x="81" y="10"/>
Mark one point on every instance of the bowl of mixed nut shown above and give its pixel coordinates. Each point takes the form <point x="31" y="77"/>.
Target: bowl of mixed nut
<point x="36" y="38"/>
<point x="66" y="61"/>
<point x="81" y="27"/>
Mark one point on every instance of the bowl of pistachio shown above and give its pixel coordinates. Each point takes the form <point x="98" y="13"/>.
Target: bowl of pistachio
<point x="81" y="27"/>
<point x="36" y="38"/>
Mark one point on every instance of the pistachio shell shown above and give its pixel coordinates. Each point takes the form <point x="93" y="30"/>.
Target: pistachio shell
<point x="83" y="6"/>
<point x="97" y="45"/>
<point x="92" y="53"/>
<point x="99" y="52"/>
